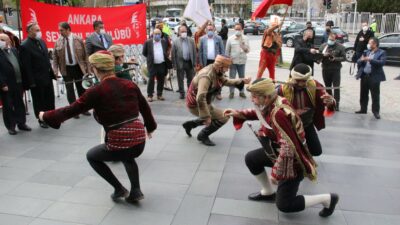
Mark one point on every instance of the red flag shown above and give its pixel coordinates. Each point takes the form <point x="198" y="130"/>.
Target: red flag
<point x="262" y="9"/>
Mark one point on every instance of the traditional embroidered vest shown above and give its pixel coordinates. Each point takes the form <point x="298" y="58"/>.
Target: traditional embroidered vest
<point x="288" y="91"/>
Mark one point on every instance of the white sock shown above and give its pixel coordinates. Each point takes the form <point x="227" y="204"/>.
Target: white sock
<point x="265" y="183"/>
<point x="311" y="200"/>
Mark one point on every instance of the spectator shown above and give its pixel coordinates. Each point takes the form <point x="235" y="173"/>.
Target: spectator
<point x="371" y="73"/>
<point x="184" y="58"/>
<point x="37" y="72"/>
<point x="362" y="39"/>
<point x="69" y="57"/>
<point x="374" y="25"/>
<point x="304" y="51"/>
<point x="224" y="32"/>
<point x="310" y="27"/>
<point x="119" y="54"/>
<point x="211" y="45"/>
<point x="11" y="87"/>
<point x="189" y="31"/>
<point x="99" y="39"/>
<point x="333" y="56"/>
<point x="155" y="50"/>
<point x="15" y="42"/>
<point x="328" y="30"/>
<point x="237" y="48"/>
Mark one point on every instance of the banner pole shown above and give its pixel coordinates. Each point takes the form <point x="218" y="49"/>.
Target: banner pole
<point x="283" y="20"/>
<point x="18" y="3"/>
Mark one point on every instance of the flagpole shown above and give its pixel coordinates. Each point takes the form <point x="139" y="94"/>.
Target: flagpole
<point x="284" y="16"/>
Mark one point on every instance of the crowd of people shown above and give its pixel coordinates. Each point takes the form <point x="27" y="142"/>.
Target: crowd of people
<point x="290" y="113"/>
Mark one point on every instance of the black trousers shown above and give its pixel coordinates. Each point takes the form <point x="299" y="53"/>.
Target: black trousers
<point x="160" y="73"/>
<point x="189" y="71"/>
<point x="366" y="86"/>
<point x="43" y="98"/>
<point x="332" y="79"/>
<point x="287" y="199"/>
<point x="74" y="73"/>
<point x="313" y="143"/>
<point x="99" y="154"/>
<point x="13" y="107"/>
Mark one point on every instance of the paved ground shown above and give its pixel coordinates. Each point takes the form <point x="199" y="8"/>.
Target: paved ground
<point x="45" y="179"/>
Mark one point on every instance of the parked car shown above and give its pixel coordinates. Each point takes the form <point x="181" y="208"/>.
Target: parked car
<point x="290" y="39"/>
<point x="295" y="27"/>
<point x="388" y="42"/>
<point x="172" y="21"/>
<point x="254" y="28"/>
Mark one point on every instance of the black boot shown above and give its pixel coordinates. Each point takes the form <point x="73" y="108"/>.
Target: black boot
<point x="191" y="124"/>
<point x="204" y="134"/>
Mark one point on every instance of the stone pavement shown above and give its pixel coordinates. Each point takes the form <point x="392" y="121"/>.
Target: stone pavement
<point x="46" y="180"/>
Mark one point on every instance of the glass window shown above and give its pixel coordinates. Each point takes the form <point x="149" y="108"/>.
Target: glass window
<point x="390" y="39"/>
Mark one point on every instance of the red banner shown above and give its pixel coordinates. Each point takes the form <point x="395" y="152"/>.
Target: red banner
<point x="126" y="24"/>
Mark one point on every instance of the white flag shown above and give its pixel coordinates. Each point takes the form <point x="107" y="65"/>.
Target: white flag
<point x="198" y="11"/>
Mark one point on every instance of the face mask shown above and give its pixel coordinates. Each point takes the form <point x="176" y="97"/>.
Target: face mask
<point x="369" y="46"/>
<point x="210" y="33"/>
<point x="157" y="37"/>
<point x="184" y="35"/>
<point x="102" y="31"/>
<point x="330" y="42"/>
<point x="38" y="35"/>
<point x="238" y="33"/>
<point x="365" y="28"/>
<point x="2" y="44"/>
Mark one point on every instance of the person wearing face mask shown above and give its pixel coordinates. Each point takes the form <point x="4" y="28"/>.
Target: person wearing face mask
<point x="237" y="48"/>
<point x="285" y="151"/>
<point x="362" y="39"/>
<point x="119" y="53"/>
<point x="202" y="91"/>
<point x="37" y="73"/>
<point x="69" y="57"/>
<point x="116" y="104"/>
<point x="183" y="59"/>
<point x="372" y="74"/>
<point x="11" y="87"/>
<point x="156" y="52"/>
<point x="333" y="56"/>
<point x="304" y="51"/>
<point x="328" y="30"/>
<point x="211" y="45"/>
<point x="308" y="99"/>
<point x="99" y="39"/>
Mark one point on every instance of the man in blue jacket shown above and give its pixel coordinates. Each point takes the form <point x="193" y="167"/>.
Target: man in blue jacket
<point x="371" y="73"/>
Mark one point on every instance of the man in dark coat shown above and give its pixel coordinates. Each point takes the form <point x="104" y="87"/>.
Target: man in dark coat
<point x="362" y="39"/>
<point x="11" y="87"/>
<point x="155" y="50"/>
<point x="37" y="72"/>
<point x="304" y="51"/>
<point x="371" y="73"/>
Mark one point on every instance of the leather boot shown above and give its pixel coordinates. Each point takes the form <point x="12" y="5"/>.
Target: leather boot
<point x="204" y="134"/>
<point x="191" y="124"/>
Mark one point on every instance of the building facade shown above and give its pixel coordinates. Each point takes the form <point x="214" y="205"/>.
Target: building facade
<point x="220" y="8"/>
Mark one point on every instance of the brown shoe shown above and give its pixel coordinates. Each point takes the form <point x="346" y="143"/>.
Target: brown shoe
<point x="160" y="98"/>
<point x="150" y="99"/>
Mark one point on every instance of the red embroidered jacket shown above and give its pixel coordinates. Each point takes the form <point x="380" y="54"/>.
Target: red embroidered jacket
<point x="294" y="156"/>
<point x="114" y="100"/>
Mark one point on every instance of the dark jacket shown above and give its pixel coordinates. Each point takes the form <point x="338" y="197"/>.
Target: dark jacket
<point x="7" y="73"/>
<point x="224" y="33"/>
<point x="36" y="68"/>
<point x="339" y="54"/>
<point x="377" y="63"/>
<point x="148" y="52"/>
<point x="302" y="54"/>
<point x="325" y="37"/>
<point x="361" y="46"/>
<point x="93" y="43"/>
